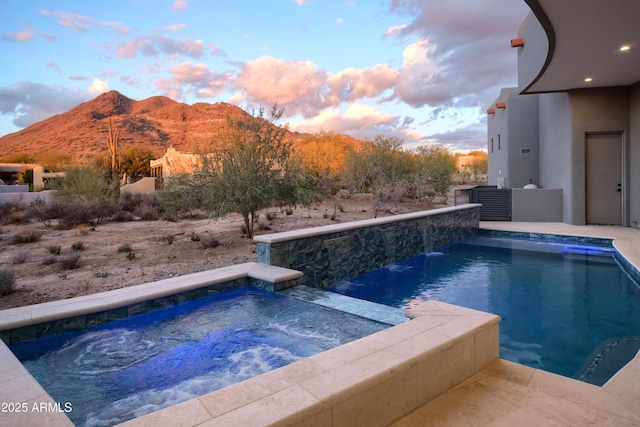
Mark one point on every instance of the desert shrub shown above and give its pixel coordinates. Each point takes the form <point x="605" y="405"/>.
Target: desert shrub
<point x="69" y="262"/>
<point x="20" y="257"/>
<point x="207" y="242"/>
<point x="48" y="260"/>
<point x="77" y="246"/>
<point x="122" y="216"/>
<point x="53" y="249"/>
<point x="194" y="236"/>
<point x="124" y="247"/>
<point x="7" y="281"/>
<point x="168" y="238"/>
<point x="100" y="273"/>
<point x="147" y="213"/>
<point x="26" y="237"/>
<point x="130" y="202"/>
<point x="131" y="255"/>
<point x="13" y="212"/>
<point x="83" y="196"/>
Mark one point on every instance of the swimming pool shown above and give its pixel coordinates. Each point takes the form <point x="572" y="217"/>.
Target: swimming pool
<point x="566" y="306"/>
<point x="124" y="369"/>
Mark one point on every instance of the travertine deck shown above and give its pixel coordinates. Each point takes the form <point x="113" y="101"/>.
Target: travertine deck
<point x="508" y="394"/>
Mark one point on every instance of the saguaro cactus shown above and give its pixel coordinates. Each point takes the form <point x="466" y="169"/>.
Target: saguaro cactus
<point x="112" y="141"/>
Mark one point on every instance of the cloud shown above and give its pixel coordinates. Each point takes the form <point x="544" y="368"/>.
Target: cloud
<point x="301" y="87"/>
<point x="394" y="31"/>
<point x="179" y="5"/>
<point x="157" y="43"/>
<point x="471" y="137"/>
<point x="83" y="23"/>
<point x="449" y="63"/>
<point x="25" y="35"/>
<point x="339" y="21"/>
<point x="98" y="86"/>
<point x="32" y="102"/>
<point x="197" y="79"/>
<point x="176" y="27"/>
<point x="359" y="120"/>
<point x="301" y="2"/>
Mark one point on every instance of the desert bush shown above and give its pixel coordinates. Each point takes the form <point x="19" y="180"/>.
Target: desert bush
<point x="194" y="236"/>
<point x="26" y="237"/>
<point x="122" y="216"/>
<point x="83" y="196"/>
<point x="207" y="242"/>
<point x="168" y="238"/>
<point x="20" y="257"/>
<point x="7" y="281"/>
<point x="124" y="247"/>
<point x="48" y="260"/>
<point x="53" y="249"/>
<point x="69" y="262"/>
<point x="77" y="246"/>
<point x="100" y="273"/>
<point x="131" y="255"/>
<point x="147" y="213"/>
<point x="13" y="212"/>
<point x="130" y="202"/>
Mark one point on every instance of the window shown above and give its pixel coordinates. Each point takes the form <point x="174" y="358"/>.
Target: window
<point x="492" y="145"/>
<point x="498" y="142"/>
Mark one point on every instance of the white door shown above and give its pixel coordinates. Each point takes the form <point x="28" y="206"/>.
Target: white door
<point x="604" y="178"/>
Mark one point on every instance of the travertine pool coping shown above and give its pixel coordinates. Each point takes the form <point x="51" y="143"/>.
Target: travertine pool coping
<point x="395" y="370"/>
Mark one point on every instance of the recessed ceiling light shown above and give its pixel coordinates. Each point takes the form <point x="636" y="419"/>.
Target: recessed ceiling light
<point x="624" y="48"/>
<point x="588" y="79"/>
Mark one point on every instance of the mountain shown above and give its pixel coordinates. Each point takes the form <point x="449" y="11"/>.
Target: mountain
<point x="154" y="123"/>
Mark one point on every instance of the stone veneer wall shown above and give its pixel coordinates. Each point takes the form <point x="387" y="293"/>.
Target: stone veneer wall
<point x="330" y="254"/>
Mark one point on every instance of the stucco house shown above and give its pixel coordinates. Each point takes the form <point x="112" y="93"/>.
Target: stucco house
<point x="573" y="123"/>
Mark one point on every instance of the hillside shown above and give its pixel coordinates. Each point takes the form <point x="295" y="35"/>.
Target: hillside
<point x="154" y="123"/>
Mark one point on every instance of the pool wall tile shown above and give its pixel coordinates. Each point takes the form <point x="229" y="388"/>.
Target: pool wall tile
<point x="332" y="256"/>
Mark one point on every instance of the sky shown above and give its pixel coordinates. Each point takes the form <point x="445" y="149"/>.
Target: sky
<point x="424" y="71"/>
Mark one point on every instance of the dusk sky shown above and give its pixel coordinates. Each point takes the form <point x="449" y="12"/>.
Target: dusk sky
<point x="421" y="70"/>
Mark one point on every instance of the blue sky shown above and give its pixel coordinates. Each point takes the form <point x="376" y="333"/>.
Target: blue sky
<point x="421" y="70"/>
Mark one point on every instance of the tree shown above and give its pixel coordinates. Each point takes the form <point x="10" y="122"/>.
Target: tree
<point x="135" y="161"/>
<point x="251" y="170"/>
<point x="437" y="167"/>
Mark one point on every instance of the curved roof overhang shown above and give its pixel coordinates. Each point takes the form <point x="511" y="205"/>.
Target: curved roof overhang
<point x="585" y="38"/>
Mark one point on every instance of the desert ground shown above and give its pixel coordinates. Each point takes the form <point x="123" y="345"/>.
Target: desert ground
<point x="105" y="265"/>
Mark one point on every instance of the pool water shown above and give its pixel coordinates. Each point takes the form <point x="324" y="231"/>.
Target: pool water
<point x="565" y="307"/>
<point x="127" y="368"/>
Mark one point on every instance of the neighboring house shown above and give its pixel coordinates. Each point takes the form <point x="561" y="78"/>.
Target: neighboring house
<point x="573" y="122"/>
<point x="172" y="163"/>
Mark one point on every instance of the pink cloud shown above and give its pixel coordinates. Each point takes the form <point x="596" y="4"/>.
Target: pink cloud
<point x="25" y="35"/>
<point x="195" y="78"/>
<point x="303" y="88"/>
<point x="176" y="27"/>
<point x="179" y="5"/>
<point x="82" y="23"/>
<point x="157" y="44"/>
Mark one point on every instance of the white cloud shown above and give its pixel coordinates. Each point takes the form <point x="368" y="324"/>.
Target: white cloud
<point x="179" y="5"/>
<point x="176" y="27"/>
<point x="82" y="23"/>
<point x="98" y="86"/>
<point x="32" y="102"/>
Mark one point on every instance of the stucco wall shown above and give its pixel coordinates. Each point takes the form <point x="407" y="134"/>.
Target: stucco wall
<point x="592" y="111"/>
<point x="555" y="146"/>
<point x="522" y="116"/>
<point x="539" y="205"/>
<point x="531" y="56"/>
